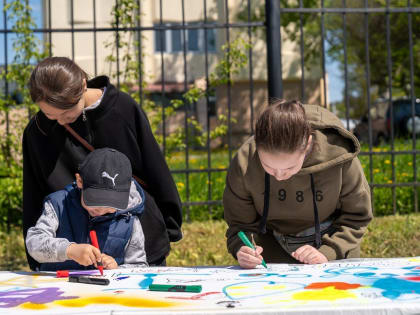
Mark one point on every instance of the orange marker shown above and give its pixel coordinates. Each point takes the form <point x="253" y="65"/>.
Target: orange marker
<point x="94" y="241"/>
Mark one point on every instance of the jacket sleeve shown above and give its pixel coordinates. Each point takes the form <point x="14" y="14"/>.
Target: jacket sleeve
<point x="41" y="240"/>
<point x="33" y="194"/>
<point x="355" y="214"/>
<point x="158" y="178"/>
<point x="239" y="210"/>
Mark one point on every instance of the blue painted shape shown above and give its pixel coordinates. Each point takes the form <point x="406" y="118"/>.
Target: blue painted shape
<point x="359" y="271"/>
<point x="394" y="288"/>
<point x="122" y="278"/>
<point x="148" y="280"/>
<point x="364" y="274"/>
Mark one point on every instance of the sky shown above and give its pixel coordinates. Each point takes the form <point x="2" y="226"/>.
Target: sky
<point x="36" y="6"/>
<point x="335" y="81"/>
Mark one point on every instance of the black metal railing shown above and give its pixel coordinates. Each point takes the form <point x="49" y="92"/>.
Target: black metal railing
<point x="274" y="17"/>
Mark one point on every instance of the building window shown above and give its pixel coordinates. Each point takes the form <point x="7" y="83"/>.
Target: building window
<point x="172" y="41"/>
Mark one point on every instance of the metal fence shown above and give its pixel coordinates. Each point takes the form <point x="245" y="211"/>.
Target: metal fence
<point x="407" y="10"/>
<point x="276" y="13"/>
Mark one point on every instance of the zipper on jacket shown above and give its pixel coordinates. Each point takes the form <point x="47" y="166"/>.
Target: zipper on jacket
<point x="89" y="133"/>
<point x="127" y="216"/>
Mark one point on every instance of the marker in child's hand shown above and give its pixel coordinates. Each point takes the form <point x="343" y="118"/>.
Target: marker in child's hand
<point x="94" y="240"/>
<point x="246" y="241"/>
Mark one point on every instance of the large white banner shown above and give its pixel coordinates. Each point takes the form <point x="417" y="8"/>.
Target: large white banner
<point x="382" y="286"/>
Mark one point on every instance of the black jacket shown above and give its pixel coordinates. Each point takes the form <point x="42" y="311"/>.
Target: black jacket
<point x="51" y="157"/>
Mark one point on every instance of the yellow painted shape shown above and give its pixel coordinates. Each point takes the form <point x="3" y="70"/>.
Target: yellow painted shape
<point x="30" y="281"/>
<point x="124" y="301"/>
<point x="274" y="287"/>
<point x="328" y="294"/>
<point x="238" y="293"/>
<point x="33" y="306"/>
<point x="238" y="287"/>
<point x="416" y="259"/>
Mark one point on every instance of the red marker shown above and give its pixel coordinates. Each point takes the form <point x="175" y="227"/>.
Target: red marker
<point x="67" y="273"/>
<point x="94" y="241"/>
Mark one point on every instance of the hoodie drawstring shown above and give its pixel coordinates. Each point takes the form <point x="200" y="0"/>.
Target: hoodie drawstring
<point x="316" y="217"/>
<point x="263" y="222"/>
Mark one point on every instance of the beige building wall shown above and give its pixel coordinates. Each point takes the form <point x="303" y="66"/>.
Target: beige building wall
<point x="174" y="62"/>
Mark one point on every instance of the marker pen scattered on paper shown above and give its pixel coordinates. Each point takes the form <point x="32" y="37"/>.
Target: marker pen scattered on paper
<point x="89" y="280"/>
<point x="175" y="288"/>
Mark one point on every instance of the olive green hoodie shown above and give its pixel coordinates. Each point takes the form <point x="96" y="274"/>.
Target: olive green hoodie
<point x="339" y="184"/>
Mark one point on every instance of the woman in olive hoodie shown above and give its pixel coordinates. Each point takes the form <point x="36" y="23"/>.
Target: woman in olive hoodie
<point x="297" y="188"/>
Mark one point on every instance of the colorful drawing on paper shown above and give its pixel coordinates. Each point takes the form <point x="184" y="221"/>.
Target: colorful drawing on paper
<point x="364" y="285"/>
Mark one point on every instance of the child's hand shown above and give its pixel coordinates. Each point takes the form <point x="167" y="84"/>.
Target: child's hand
<point x="84" y="254"/>
<point x="249" y="258"/>
<point x="309" y="255"/>
<point x="109" y="262"/>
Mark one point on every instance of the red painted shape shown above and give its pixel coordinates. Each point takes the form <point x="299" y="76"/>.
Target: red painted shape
<point x="194" y="297"/>
<point x="337" y="285"/>
<point x="413" y="278"/>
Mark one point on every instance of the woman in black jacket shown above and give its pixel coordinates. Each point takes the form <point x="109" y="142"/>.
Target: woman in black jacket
<point x="104" y="117"/>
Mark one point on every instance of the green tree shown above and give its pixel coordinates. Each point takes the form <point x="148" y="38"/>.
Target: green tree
<point x="233" y="59"/>
<point x="15" y="110"/>
<point x="355" y="45"/>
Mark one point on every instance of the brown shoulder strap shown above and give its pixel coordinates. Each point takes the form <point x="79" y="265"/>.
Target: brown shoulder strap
<point x="88" y="146"/>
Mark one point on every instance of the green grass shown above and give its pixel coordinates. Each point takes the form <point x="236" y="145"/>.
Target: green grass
<point x="204" y="243"/>
<point x="203" y="187"/>
<point x="389" y="236"/>
<point x="382" y="174"/>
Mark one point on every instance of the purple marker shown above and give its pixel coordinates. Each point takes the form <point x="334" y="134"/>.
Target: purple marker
<point x="67" y="273"/>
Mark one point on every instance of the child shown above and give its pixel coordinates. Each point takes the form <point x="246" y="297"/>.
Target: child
<point x="104" y="198"/>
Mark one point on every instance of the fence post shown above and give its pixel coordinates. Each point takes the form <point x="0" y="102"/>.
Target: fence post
<point x="274" y="69"/>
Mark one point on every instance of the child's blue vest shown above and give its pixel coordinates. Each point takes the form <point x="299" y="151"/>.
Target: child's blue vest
<point x="113" y="230"/>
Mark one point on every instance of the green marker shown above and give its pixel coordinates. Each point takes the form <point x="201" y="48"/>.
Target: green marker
<point x="175" y="288"/>
<point x="246" y="241"/>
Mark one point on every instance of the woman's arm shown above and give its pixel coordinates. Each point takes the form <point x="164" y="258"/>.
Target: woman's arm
<point x="33" y="193"/>
<point x="355" y="214"/>
<point x="160" y="183"/>
<point x="239" y="209"/>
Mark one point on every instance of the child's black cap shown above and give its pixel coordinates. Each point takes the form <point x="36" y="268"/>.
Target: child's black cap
<point x="106" y="175"/>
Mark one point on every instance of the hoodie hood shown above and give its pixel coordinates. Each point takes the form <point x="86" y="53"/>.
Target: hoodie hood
<point x="332" y="144"/>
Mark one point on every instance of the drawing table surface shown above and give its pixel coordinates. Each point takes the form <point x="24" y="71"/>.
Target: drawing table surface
<point x="368" y="286"/>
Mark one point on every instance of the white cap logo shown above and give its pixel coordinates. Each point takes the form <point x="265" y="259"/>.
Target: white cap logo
<point x="106" y="175"/>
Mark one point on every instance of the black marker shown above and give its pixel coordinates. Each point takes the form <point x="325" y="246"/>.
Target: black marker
<point x="89" y="280"/>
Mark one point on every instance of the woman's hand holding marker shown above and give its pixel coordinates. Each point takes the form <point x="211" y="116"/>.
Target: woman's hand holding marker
<point x="249" y="256"/>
